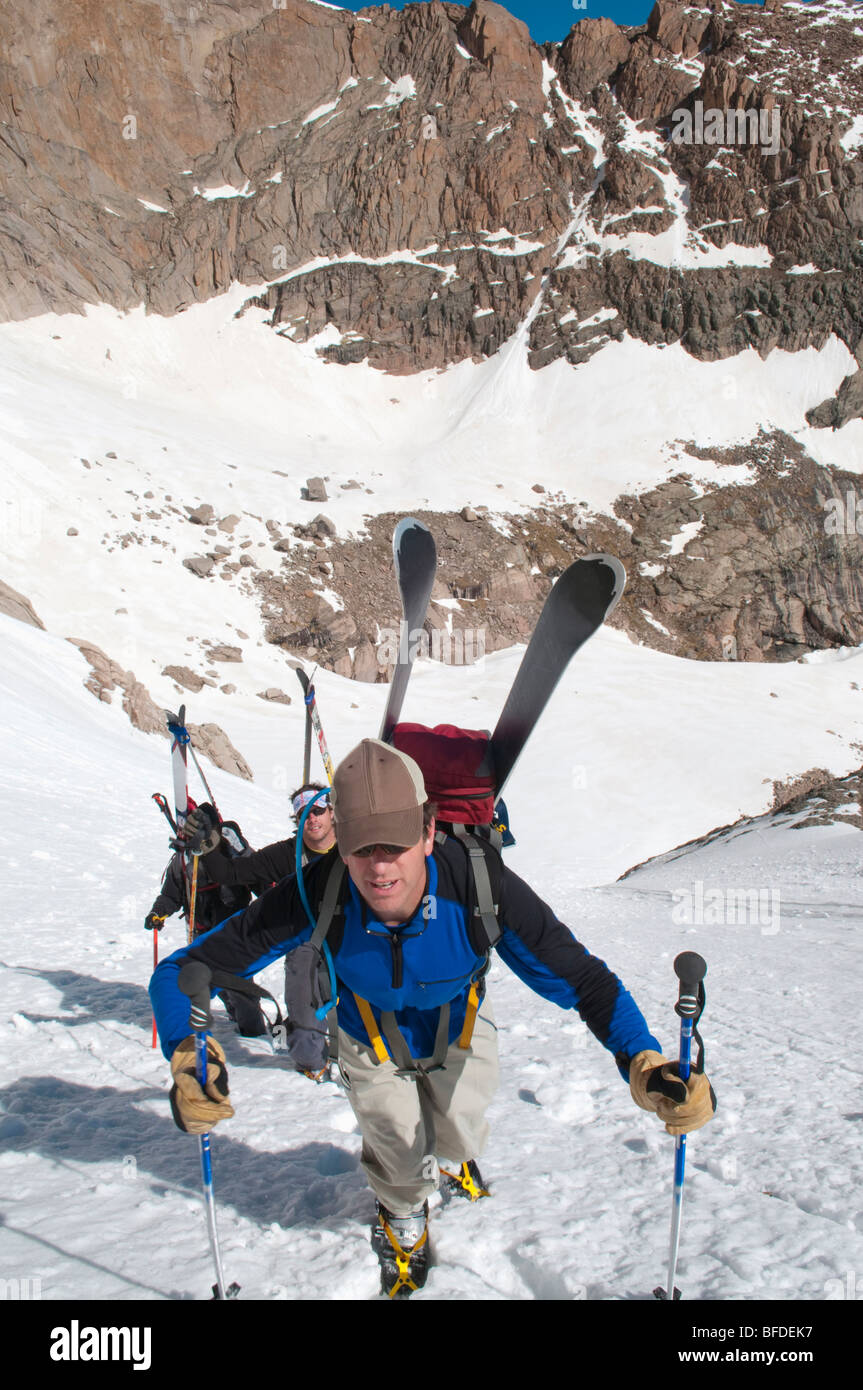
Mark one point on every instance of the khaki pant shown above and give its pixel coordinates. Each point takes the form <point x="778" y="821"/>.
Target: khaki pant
<point x="406" y="1121"/>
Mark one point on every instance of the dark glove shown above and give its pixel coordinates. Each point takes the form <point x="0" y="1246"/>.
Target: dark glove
<point x="202" y="830"/>
<point x="656" y="1086"/>
<point x="196" y="1111"/>
<point x="154" y="921"/>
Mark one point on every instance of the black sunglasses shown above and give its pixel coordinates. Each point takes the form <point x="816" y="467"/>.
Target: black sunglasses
<point x="319" y="810"/>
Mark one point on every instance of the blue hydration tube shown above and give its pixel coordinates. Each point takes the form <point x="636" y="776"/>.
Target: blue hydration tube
<point x="325" y="1008"/>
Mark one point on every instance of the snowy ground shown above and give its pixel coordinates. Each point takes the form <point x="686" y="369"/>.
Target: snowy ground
<point x="102" y="1193"/>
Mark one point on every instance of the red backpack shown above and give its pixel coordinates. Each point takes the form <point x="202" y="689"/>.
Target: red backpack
<point x="457" y="769"/>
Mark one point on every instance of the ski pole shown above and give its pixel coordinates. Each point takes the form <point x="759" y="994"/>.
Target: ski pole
<point x="163" y="807"/>
<point x="210" y="796"/>
<point x="194" y="980"/>
<point x="690" y="969"/>
<point x="155" y="963"/>
<point x="193" y="894"/>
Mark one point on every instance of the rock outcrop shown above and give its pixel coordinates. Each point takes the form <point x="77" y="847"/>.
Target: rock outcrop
<point x="814" y="798"/>
<point x="15" y="605"/>
<point x="106" y="676"/>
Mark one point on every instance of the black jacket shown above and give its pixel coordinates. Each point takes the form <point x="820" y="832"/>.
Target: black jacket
<point x="213" y="902"/>
<point x="260" y="869"/>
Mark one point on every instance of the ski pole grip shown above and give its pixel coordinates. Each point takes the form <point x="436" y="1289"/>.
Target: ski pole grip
<point x="690" y="969"/>
<point x="194" y="980"/>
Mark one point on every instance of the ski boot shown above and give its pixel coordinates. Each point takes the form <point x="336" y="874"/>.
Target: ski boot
<point x="401" y="1244"/>
<point x="467" y="1182"/>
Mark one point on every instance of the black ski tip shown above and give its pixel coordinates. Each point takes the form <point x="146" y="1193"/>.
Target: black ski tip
<point x="230" y="1292"/>
<point x="407" y="523"/>
<point x="301" y="676"/>
<point x="413" y="546"/>
<point x="662" y="1295"/>
<point x="615" y="576"/>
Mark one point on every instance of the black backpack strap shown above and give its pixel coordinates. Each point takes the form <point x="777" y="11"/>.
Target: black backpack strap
<point x="400" y="1052"/>
<point x="330" y="904"/>
<point x="484" y="860"/>
<point x="221" y="979"/>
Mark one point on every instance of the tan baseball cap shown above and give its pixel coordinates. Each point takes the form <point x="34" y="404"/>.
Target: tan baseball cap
<point x="377" y="798"/>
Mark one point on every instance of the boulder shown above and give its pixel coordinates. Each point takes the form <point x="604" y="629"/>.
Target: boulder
<point x="315" y="490"/>
<point x="17" y="606"/>
<point x="273" y="693"/>
<point x="184" y="677"/>
<point x="224" y="653"/>
<point x="201" y="565"/>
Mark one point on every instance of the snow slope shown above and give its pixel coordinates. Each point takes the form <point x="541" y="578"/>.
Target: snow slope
<point x="101" y="1192"/>
<point x="206" y="407"/>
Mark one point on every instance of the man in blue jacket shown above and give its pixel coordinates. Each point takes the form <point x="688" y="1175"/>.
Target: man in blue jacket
<point x="416" y="1038"/>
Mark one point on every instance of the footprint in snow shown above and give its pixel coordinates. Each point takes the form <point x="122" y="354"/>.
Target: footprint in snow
<point x="637" y="1146"/>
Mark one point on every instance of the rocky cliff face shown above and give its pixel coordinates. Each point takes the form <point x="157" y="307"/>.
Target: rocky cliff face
<point x="422" y="183"/>
<point x="418" y="180"/>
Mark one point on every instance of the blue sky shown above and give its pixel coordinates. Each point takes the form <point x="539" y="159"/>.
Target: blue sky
<point x="553" y="19"/>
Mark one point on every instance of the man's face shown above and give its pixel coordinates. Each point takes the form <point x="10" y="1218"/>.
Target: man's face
<point x="318" y="831"/>
<point x="392" y="884"/>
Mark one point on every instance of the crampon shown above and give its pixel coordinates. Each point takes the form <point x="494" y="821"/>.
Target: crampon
<point x="467" y="1182"/>
<point x="401" y="1244"/>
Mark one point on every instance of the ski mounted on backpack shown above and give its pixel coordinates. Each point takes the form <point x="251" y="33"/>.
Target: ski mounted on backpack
<point x="180" y="775"/>
<point x="579" y="603"/>
<point x="307" y="745"/>
<point x="473" y="767"/>
<point x="415" y="560"/>
<point x="179" y="764"/>
<point x="313" y="722"/>
<point x="180" y="747"/>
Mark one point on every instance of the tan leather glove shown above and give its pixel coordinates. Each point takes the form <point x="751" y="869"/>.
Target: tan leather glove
<point x="682" y="1105"/>
<point x="195" y="1111"/>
